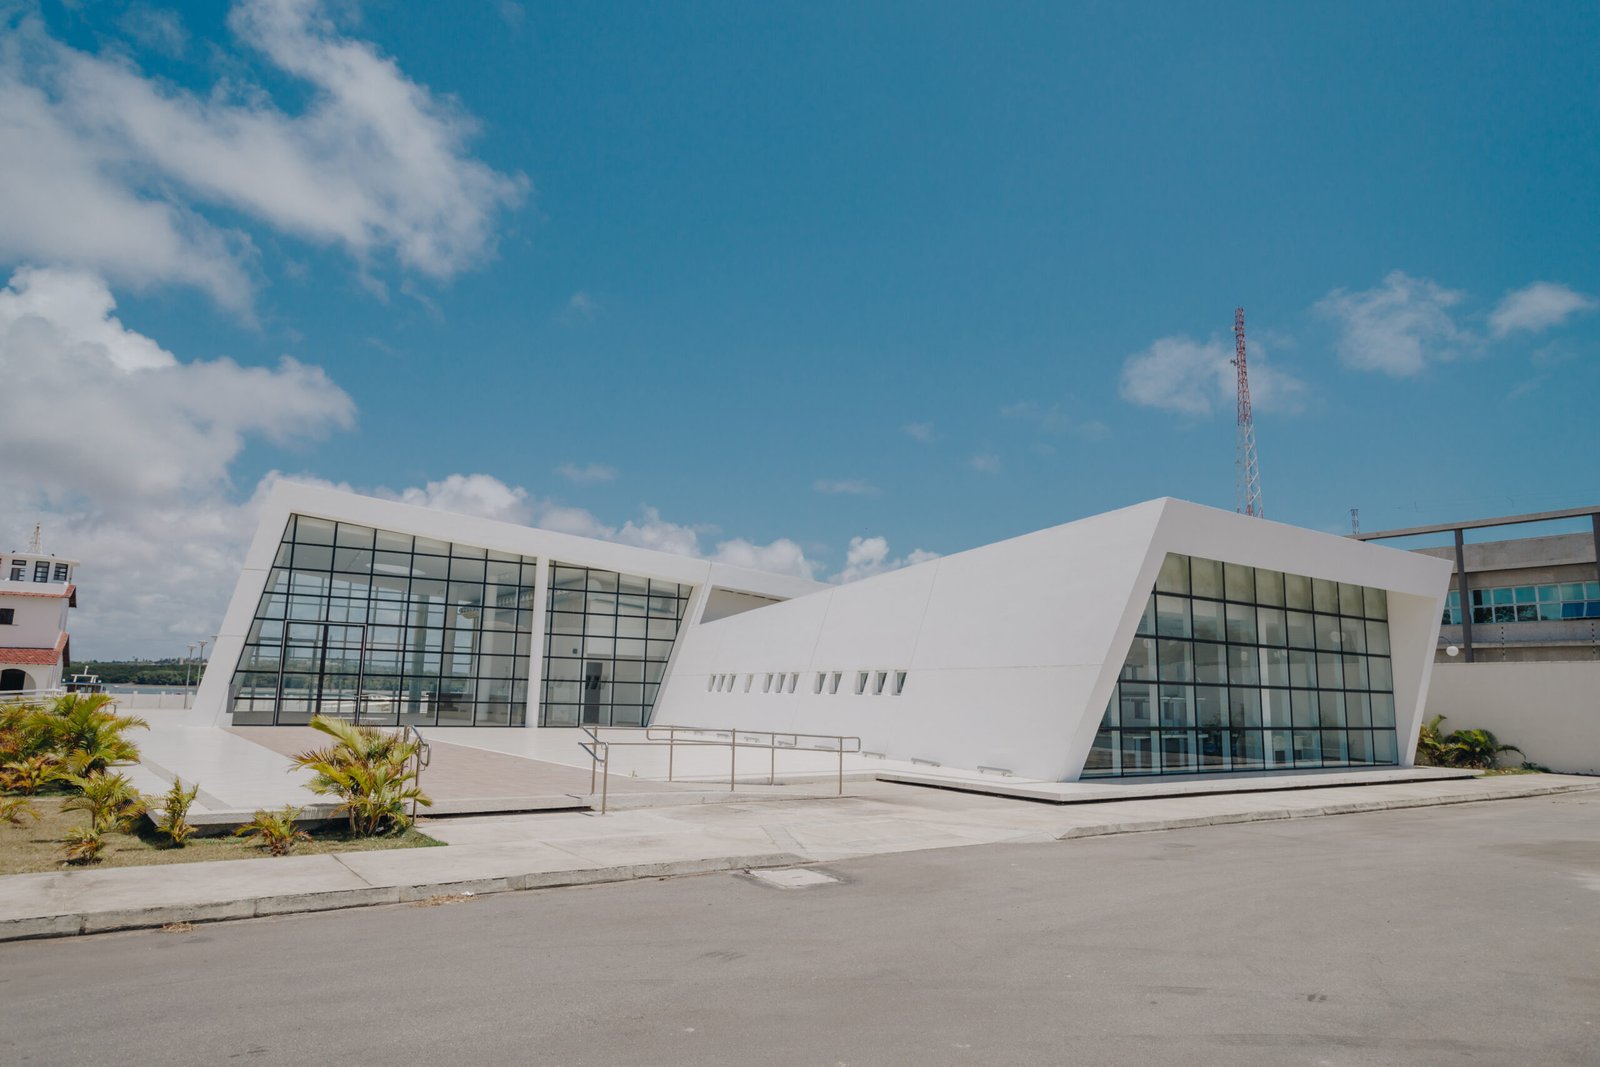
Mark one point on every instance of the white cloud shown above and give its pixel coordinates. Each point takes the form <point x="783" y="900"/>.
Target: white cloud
<point x="986" y="462"/>
<point x="581" y="303"/>
<point x="123" y="452"/>
<point x="589" y="472"/>
<point x="1398" y="328"/>
<point x="867" y="556"/>
<point x="1196" y="378"/>
<point x="845" y="486"/>
<point x="919" y="431"/>
<point x="1538" y="307"/>
<point x="106" y="413"/>
<point x="372" y="162"/>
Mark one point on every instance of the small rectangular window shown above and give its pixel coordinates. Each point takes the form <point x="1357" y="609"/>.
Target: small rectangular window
<point x="16" y="572"/>
<point x="817" y="686"/>
<point x="8" y="616"/>
<point x="749" y="680"/>
<point x="861" y="682"/>
<point x="61" y="572"/>
<point x="794" y="680"/>
<point x="899" y="682"/>
<point x="833" y="682"/>
<point x="711" y="683"/>
<point x="766" y="686"/>
<point x="41" y="570"/>
<point x="879" y="682"/>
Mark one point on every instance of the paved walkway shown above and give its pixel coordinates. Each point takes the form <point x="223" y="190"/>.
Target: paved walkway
<point x="532" y="851"/>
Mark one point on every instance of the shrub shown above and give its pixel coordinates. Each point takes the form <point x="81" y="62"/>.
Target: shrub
<point x="83" y="845"/>
<point x="30" y="774"/>
<point x="80" y="731"/>
<point x="373" y="772"/>
<point x="12" y="809"/>
<point x="275" y="831"/>
<point x="110" y="799"/>
<point x="1459" y="748"/>
<point x="174" y="821"/>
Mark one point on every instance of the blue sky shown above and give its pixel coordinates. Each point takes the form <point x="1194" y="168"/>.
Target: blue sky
<point x="937" y="274"/>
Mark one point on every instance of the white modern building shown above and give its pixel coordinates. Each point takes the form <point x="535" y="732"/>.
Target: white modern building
<point x="36" y="592"/>
<point x="1163" y="638"/>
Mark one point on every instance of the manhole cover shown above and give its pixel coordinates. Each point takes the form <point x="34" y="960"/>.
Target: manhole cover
<point x="793" y="877"/>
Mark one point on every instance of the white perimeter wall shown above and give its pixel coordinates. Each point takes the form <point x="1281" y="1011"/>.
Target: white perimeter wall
<point x="1012" y="650"/>
<point x="1549" y="710"/>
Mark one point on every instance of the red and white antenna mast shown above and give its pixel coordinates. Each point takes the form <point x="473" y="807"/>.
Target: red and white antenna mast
<point x="1247" y="468"/>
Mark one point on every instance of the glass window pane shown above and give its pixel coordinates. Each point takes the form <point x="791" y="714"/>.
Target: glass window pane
<point x="1378" y="637"/>
<point x="1241" y="624"/>
<point x="1328" y="632"/>
<point x="1240" y="582"/>
<point x="1302" y="634"/>
<point x="1297" y="592"/>
<point x="1138" y="704"/>
<point x="1274" y="666"/>
<point x="1207" y="577"/>
<point x="1272" y="626"/>
<point x="1176" y="660"/>
<point x="1350" y="599"/>
<point x="1177" y="705"/>
<point x="1324" y="595"/>
<point x="1208" y="624"/>
<point x="1244" y="707"/>
<point x="1243" y="667"/>
<point x="1382" y="709"/>
<point x="1177" y="751"/>
<point x="1377" y="603"/>
<point x="1174" y="576"/>
<point x="1210" y="663"/>
<point x="1304" y="708"/>
<point x="1210" y="706"/>
<point x="1147" y="618"/>
<point x="1275" y="707"/>
<point x="1172" y="616"/>
<point x="1269" y="588"/>
<point x="1384" y="749"/>
<point x="1138" y="752"/>
<point x="1302" y="668"/>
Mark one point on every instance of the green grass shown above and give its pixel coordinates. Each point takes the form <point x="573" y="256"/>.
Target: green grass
<point x="36" y="846"/>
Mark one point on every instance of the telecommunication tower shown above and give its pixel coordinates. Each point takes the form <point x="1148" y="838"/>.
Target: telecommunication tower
<point x="1247" y="468"/>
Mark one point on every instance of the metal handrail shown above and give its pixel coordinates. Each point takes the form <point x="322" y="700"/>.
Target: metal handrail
<point x="423" y="756"/>
<point x="600" y="751"/>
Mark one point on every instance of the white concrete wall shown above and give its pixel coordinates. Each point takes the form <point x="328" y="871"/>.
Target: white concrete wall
<point x="38" y="622"/>
<point x="1012" y="650"/>
<point x="1549" y="710"/>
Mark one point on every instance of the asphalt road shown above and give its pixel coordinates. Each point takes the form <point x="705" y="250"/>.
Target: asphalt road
<point x="1464" y="934"/>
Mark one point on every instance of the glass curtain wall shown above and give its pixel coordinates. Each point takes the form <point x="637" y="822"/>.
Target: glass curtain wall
<point x="608" y="639"/>
<point x="1238" y="668"/>
<point x="405" y="629"/>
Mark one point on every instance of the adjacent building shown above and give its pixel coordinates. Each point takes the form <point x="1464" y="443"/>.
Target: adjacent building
<point x="1518" y="600"/>
<point x="1164" y="638"/>
<point x="36" y="592"/>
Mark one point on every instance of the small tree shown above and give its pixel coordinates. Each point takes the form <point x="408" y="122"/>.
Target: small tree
<point x="83" y="845"/>
<point x="1430" y="743"/>
<point x="374" y="773"/>
<point x="174" y="821"/>
<point x="110" y="800"/>
<point x="275" y="831"/>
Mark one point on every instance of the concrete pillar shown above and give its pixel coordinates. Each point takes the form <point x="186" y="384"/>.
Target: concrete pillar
<point x="1466" y="600"/>
<point x="541" y="619"/>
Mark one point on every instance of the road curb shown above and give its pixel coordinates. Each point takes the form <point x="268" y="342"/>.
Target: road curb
<point x="1277" y="814"/>
<point x="98" y="922"/>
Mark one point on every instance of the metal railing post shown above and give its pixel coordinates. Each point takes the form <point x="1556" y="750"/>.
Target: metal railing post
<point x="772" y="766"/>
<point x="605" y="782"/>
<point x="672" y="746"/>
<point x="733" y="757"/>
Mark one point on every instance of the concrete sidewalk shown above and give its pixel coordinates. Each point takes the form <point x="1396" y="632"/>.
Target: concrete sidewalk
<point x="503" y="853"/>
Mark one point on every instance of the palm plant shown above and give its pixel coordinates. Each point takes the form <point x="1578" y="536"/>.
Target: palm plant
<point x="89" y="734"/>
<point x="110" y="799"/>
<point x="374" y="773"/>
<point x="174" y="821"/>
<point x="12" y="809"/>
<point x="82" y="845"/>
<point x="30" y="773"/>
<point x="1475" y="748"/>
<point x="20" y="733"/>
<point x="275" y="831"/>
